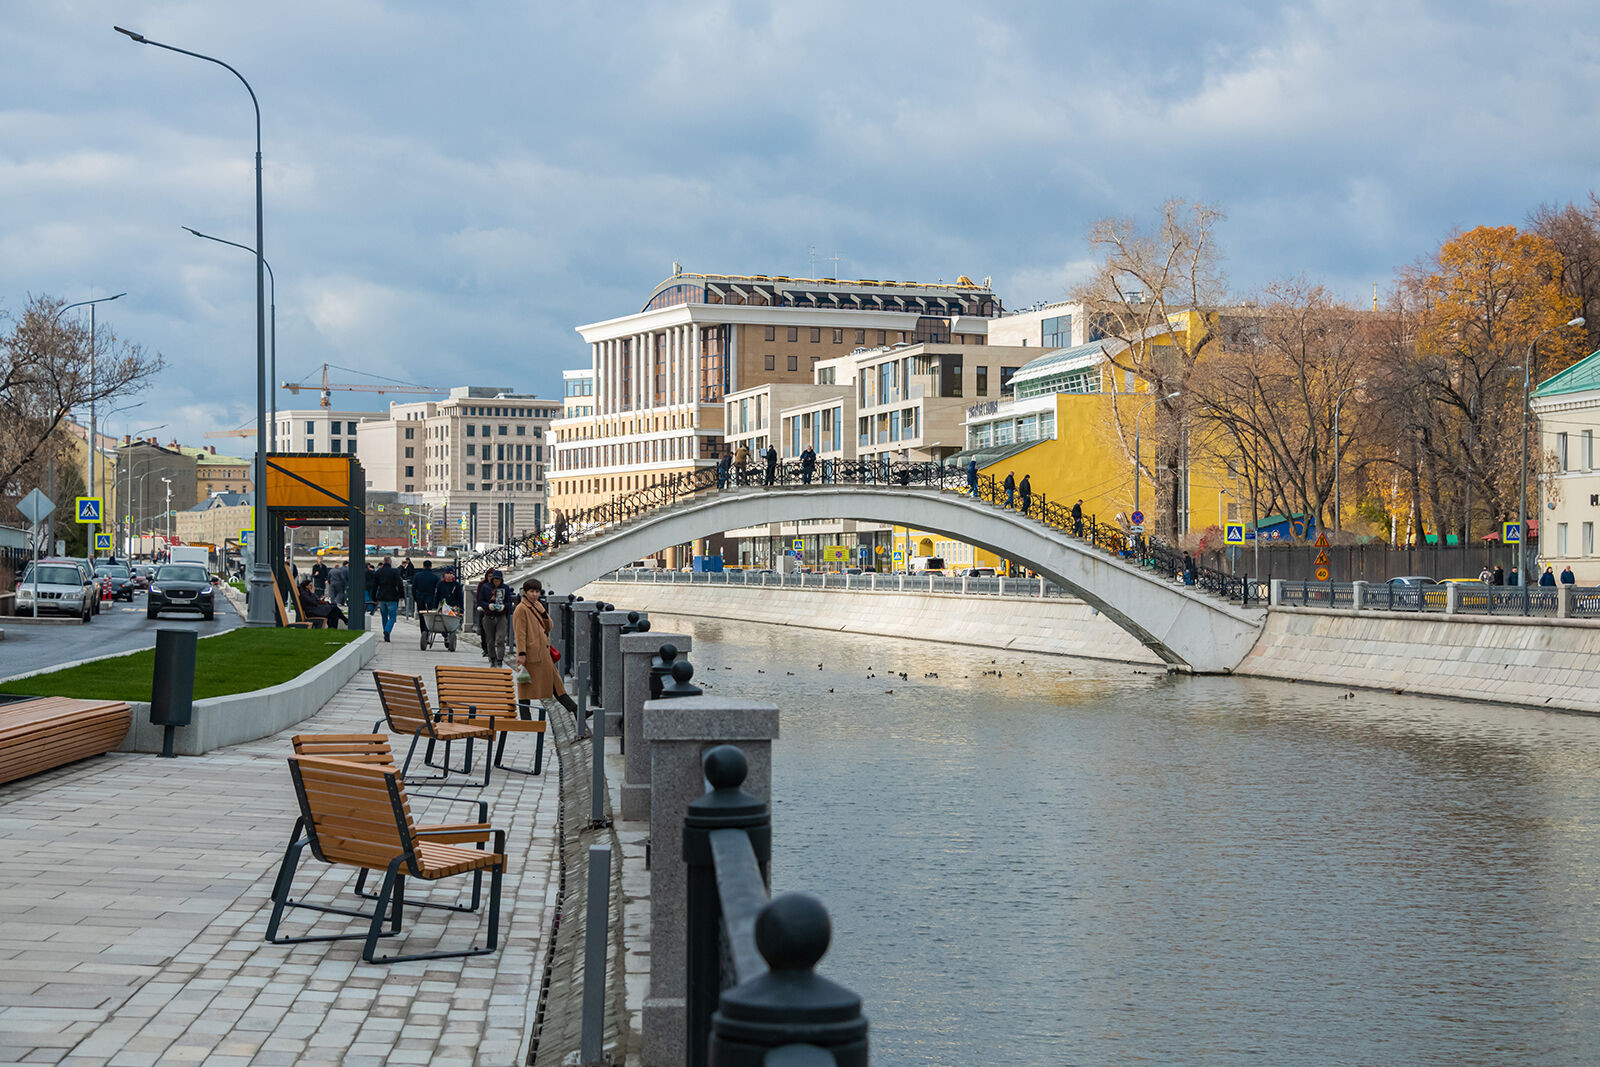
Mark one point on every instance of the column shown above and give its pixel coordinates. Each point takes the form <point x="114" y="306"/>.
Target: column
<point x="638" y="650"/>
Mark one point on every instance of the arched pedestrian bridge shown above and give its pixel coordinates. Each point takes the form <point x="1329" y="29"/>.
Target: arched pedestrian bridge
<point x="1190" y="628"/>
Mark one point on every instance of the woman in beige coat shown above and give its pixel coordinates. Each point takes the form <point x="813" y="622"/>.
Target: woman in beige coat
<point x="530" y="628"/>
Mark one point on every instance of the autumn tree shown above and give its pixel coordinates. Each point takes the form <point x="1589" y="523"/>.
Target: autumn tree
<point x="1574" y="230"/>
<point x="45" y="373"/>
<point x="1148" y="298"/>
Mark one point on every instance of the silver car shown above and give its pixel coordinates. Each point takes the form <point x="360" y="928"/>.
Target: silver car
<point x="56" y="587"/>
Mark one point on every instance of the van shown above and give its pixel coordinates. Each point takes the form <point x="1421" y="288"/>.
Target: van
<point x="927" y="565"/>
<point x="648" y="564"/>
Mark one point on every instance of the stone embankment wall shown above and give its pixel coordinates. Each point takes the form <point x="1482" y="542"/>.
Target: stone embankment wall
<point x="1542" y="663"/>
<point x="1052" y="624"/>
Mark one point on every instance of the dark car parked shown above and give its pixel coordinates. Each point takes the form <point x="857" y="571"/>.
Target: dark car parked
<point x="181" y="587"/>
<point x="118" y="579"/>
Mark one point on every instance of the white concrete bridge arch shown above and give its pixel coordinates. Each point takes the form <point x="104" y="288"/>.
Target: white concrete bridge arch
<point x="1187" y="629"/>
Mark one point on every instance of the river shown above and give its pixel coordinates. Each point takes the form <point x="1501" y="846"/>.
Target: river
<point x="1088" y="862"/>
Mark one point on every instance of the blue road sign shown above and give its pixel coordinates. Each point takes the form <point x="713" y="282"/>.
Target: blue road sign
<point x="102" y="542"/>
<point x="89" y="508"/>
<point x="1233" y="533"/>
<point x="1137" y="518"/>
<point x="1511" y="533"/>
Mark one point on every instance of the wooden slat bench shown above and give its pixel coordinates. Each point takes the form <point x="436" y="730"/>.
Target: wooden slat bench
<point x="36" y="735"/>
<point x="467" y="694"/>
<point x="406" y="711"/>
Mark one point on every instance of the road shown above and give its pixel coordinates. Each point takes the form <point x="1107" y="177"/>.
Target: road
<point x="120" y="627"/>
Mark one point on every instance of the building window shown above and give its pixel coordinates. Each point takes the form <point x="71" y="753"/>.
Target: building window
<point x="771" y="333"/>
<point x="1056" y="332"/>
<point x="411" y="432"/>
<point x="794" y="362"/>
<point x="772" y="361"/>
<point x="502" y="429"/>
<point x="816" y="335"/>
<point x="410" y="472"/>
<point x="350" y="446"/>
<point x="333" y="427"/>
<point x="311" y="446"/>
<point x="794" y="333"/>
<point x="1588" y="539"/>
<point x="311" y="427"/>
<point x="883" y="337"/>
<point x="861" y="337"/>
<point x="1588" y="450"/>
<point x="1561" y="540"/>
<point x="1561" y="452"/>
<point x="336" y="447"/>
<point x="472" y="450"/>
<point x="472" y="431"/>
<point x="410" y="453"/>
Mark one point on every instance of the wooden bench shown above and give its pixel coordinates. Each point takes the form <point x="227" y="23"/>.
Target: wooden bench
<point x="469" y="693"/>
<point x="407" y="712"/>
<point x="283" y="612"/>
<point x="36" y="735"/>
<point x="357" y="815"/>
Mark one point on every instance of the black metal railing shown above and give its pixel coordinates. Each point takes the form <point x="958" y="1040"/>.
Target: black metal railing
<point x="1145" y="550"/>
<point x="752" y="987"/>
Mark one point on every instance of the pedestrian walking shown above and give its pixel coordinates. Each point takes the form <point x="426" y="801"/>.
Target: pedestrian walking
<point x="1190" y="571"/>
<point x="1025" y="490"/>
<point x="371" y="605"/>
<point x="1010" y="486"/>
<point x="408" y="573"/>
<point x="425" y="587"/>
<point x="478" y="595"/>
<point x="319" y="578"/>
<point x="450" y="591"/>
<point x="972" y="477"/>
<point x="1567" y="577"/>
<point x="530" y="626"/>
<point x="561" y="529"/>
<point x="1511" y="579"/>
<point x="808" y="464"/>
<point x="771" y="458"/>
<point x="1499" y="575"/>
<point x="1548" y="578"/>
<point x="724" y="469"/>
<point x="338" y="578"/>
<point x="387" y="589"/>
<point x="1486" y="576"/>
<point x="494" y="608"/>
<point x="1077" y="519"/>
<point x="741" y="463"/>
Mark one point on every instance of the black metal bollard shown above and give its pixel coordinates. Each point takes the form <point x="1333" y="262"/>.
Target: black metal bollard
<point x="725" y="807"/>
<point x="566" y="627"/>
<point x="661" y="668"/>
<point x="791" y="1004"/>
<point x="682" y="671"/>
<point x="596" y="651"/>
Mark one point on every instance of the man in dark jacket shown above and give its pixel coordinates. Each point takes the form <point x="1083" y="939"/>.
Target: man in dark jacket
<point x="771" y="456"/>
<point x="494" y="613"/>
<point x="1567" y="577"/>
<point x="450" y="591"/>
<point x="1010" y="486"/>
<point x="1026" y="492"/>
<point x="338" y="578"/>
<point x="319" y="577"/>
<point x="972" y="477"/>
<point x="425" y="587"/>
<point x="808" y="464"/>
<point x="387" y="590"/>
<point x="1077" y="519"/>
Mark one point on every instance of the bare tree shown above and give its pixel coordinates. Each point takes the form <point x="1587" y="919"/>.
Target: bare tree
<point x="1149" y="299"/>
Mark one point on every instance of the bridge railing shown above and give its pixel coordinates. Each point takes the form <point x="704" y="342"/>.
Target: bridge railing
<point x="869" y="582"/>
<point x="1534" y="601"/>
<point x="1143" y="550"/>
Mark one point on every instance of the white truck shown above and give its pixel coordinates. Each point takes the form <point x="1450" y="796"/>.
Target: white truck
<point x="190" y="554"/>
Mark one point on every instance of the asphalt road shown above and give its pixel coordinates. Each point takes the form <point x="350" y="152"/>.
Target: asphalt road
<point x="120" y="627"/>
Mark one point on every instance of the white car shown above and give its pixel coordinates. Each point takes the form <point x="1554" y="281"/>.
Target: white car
<point x="55" y="587"/>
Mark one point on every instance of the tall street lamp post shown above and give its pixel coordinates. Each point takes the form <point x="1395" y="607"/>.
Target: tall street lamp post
<point x="272" y="355"/>
<point x="169" y="516"/>
<point x="93" y="432"/>
<point x="260" y="601"/>
<point x="1137" y="415"/>
<point x="1522" y="506"/>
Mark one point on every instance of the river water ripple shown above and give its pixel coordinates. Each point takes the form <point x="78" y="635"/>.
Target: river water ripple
<point x="1084" y="862"/>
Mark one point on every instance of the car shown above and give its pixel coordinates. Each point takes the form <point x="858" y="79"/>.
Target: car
<point x="1470" y="583"/>
<point x="1412" y="580"/>
<point x="181" y="587"/>
<point x="118" y="579"/>
<point x="980" y="572"/>
<point x="56" y="586"/>
<point x="89" y="576"/>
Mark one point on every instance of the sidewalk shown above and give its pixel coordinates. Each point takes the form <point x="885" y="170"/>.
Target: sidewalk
<point x="136" y="900"/>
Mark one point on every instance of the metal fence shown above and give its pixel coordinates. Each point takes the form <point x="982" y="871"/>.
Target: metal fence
<point x="1540" y="601"/>
<point x="908" y="583"/>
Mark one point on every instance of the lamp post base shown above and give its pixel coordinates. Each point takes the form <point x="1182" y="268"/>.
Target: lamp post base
<point x="258" y="598"/>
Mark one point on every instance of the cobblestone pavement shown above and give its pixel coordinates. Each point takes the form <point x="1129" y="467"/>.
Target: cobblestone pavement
<point x="136" y="899"/>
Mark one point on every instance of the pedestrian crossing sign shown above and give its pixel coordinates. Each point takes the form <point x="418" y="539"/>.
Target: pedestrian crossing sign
<point x="797" y="544"/>
<point x="1234" y="533"/>
<point x="102" y="542"/>
<point x="1510" y="533"/>
<point x="89" y="509"/>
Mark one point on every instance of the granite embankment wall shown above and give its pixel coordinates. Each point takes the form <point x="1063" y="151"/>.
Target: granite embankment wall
<point x="1051" y="624"/>
<point x="1542" y="663"/>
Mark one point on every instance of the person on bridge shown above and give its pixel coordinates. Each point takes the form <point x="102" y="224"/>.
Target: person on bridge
<point x="808" y="464"/>
<point x="972" y="477"/>
<point x="494" y="609"/>
<point x="724" y="469"/>
<point x="387" y="590"/>
<point x="425" y="587"/>
<point x="1567" y="577"/>
<point x="771" y="457"/>
<point x="1026" y="491"/>
<point x="561" y="528"/>
<point x="1190" y="571"/>
<point x="1010" y="485"/>
<point x="319" y="577"/>
<point x="1548" y="577"/>
<point x="741" y="463"/>
<point x="1077" y="519"/>
<point x="1512" y="579"/>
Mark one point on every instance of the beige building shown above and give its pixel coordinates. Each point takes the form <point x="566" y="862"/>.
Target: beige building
<point x="911" y="400"/>
<point x="216" y="473"/>
<point x="1567" y="412"/>
<point x="471" y="467"/>
<point x="304" y="430"/>
<point x="216" y="520"/>
<point x="661" y="375"/>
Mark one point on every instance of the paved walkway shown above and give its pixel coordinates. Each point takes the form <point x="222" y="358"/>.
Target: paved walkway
<point x="135" y="895"/>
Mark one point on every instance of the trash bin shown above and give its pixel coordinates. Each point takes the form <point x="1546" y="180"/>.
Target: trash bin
<point x="172" y="687"/>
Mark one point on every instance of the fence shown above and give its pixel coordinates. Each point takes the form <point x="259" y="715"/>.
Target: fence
<point x="1453" y="598"/>
<point x="1363" y="563"/>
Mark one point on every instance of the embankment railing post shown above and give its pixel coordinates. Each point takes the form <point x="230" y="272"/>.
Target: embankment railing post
<point x="639" y="651"/>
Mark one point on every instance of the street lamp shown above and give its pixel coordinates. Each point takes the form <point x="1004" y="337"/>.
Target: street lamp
<point x="1337" y="511"/>
<point x="272" y="369"/>
<point x="169" y="516"/>
<point x="1136" y="417"/>
<point x="93" y="445"/>
<point x="259" y="603"/>
<point x="1522" y="506"/>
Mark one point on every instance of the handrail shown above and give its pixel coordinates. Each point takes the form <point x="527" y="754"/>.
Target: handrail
<point x="1144" y="550"/>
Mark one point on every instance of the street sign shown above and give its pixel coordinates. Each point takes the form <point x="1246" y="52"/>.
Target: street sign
<point x="89" y="508"/>
<point x="835" y="553"/>
<point x="880" y="550"/>
<point x="899" y="557"/>
<point x="1322" y="540"/>
<point x="797" y="544"/>
<point x="1233" y="534"/>
<point x="1137" y="518"/>
<point x="35" y="507"/>
<point x="1137" y="528"/>
<point x="102" y="542"/>
<point x="1511" y="533"/>
<point x="1322" y="574"/>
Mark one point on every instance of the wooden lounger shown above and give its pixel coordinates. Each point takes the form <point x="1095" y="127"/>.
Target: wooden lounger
<point x="37" y="735"/>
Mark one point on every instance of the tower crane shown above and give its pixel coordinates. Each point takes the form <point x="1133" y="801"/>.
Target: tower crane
<point x="361" y="387"/>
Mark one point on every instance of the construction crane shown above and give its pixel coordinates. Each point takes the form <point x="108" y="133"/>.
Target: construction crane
<point x="243" y="431"/>
<point x="358" y="387"/>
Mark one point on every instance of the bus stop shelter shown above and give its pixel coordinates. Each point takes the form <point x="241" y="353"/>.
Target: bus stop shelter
<point x="317" y="489"/>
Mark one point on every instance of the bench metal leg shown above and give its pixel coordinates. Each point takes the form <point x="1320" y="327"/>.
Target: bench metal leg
<point x="392" y="893"/>
<point x="526" y="715"/>
<point x="281" y="900"/>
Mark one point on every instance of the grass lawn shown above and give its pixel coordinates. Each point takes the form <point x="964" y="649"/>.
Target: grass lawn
<point x="238" y="661"/>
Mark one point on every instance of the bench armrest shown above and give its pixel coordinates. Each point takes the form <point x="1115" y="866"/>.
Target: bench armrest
<point x="483" y="805"/>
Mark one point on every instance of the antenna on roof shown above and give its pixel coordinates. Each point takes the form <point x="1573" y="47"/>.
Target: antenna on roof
<point x="677" y="268"/>
<point x="835" y="258"/>
<point x="811" y="255"/>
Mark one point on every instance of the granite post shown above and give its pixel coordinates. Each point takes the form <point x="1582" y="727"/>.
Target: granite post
<point x="611" y="624"/>
<point x="637" y="652"/>
<point x="583" y="615"/>
<point x="678" y="733"/>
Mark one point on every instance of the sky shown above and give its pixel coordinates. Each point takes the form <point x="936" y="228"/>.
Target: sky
<point x="450" y="188"/>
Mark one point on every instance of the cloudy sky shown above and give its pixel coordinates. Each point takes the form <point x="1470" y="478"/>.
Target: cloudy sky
<point x="451" y="187"/>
